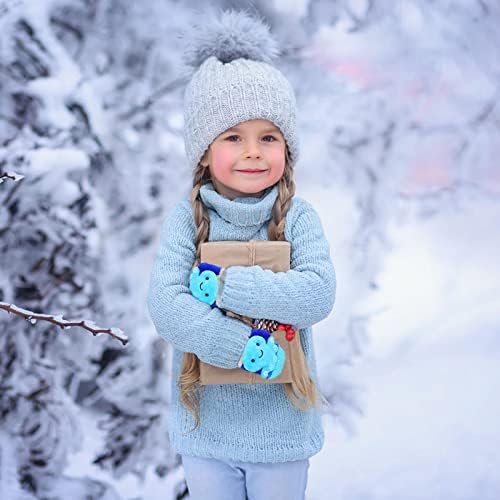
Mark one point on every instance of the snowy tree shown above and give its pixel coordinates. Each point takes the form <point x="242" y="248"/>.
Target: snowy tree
<point x="74" y="205"/>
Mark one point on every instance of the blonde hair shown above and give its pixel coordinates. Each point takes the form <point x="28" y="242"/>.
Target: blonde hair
<point x="302" y="391"/>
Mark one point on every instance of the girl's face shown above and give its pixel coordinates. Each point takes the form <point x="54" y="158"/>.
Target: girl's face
<point x="246" y="159"/>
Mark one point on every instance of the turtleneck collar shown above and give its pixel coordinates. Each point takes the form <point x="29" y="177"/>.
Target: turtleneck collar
<point x="242" y="211"/>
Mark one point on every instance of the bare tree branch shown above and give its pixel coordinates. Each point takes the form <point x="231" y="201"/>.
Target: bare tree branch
<point x="157" y="94"/>
<point x="10" y="175"/>
<point x="32" y="317"/>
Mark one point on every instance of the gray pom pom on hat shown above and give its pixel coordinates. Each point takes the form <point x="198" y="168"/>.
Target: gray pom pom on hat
<point x="233" y="81"/>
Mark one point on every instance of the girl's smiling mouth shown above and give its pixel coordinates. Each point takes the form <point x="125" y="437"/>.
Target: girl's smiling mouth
<point x="252" y="172"/>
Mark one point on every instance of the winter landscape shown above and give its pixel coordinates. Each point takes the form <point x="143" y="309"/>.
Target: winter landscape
<point x="399" y="120"/>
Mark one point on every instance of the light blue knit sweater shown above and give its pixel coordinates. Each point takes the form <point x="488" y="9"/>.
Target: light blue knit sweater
<point x="247" y="422"/>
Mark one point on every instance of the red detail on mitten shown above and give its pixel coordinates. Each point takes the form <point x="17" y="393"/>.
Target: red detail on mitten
<point x="290" y="334"/>
<point x="281" y="327"/>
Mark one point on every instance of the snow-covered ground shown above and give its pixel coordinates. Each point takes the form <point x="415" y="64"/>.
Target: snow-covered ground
<point x="430" y="430"/>
<point x="431" y="373"/>
<point x="128" y="487"/>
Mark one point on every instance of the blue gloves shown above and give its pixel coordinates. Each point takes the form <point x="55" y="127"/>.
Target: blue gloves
<point x="262" y="355"/>
<point x="204" y="282"/>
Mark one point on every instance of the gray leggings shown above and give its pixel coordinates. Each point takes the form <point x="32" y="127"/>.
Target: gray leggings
<point x="212" y="479"/>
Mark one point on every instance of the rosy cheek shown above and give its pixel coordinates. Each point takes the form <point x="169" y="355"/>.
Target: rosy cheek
<point x="277" y="158"/>
<point x="224" y="157"/>
<point x="222" y="164"/>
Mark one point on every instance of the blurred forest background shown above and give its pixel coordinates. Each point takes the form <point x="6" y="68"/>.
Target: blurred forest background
<point x="399" y="123"/>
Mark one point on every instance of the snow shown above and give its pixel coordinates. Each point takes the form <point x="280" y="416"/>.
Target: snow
<point x="431" y="429"/>
<point x="61" y="160"/>
<point x="52" y="166"/>
<point x="431" y="371"/>
<point x="295" y="7"/>
<point x="55" y="89"/>
<point x="129" y="487"/>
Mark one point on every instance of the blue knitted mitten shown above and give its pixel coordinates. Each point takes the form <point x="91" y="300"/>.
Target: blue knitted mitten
<point x="263" y="355"/>
<point x="204" y="282"/>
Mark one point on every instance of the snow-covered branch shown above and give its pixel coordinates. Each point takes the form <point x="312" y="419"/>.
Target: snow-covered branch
<point x="58" y="320"/>
<point x="10" y="175"/>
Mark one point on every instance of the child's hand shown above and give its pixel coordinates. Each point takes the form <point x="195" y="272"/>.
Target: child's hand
<point x="263" y="355"/>
<point x="204" y="282"/>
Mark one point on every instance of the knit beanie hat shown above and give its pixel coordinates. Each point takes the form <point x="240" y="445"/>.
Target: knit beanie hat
<point x="233" y="81"/>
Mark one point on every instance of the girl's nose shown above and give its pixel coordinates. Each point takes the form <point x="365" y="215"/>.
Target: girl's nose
<point x="252" y="150"/>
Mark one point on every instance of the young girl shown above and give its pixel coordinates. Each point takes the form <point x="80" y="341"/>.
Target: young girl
<point x="240" y="441"/>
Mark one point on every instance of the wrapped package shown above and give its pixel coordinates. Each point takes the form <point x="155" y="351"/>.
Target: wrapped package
<point x="273" y="255"/>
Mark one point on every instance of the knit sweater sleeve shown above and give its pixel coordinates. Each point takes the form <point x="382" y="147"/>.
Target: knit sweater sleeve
<point x="188" y="324"/>
<point x="302" y="296"/>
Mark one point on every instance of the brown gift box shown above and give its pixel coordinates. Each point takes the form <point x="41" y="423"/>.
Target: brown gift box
<point x="274" y="255"/>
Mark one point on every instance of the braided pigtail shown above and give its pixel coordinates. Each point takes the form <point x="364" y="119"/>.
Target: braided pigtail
<point x="189" y="378"/>
<point x="302" y="392"/>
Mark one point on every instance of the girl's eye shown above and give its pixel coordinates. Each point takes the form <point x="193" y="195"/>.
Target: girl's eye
<point x="266" y="138"/>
